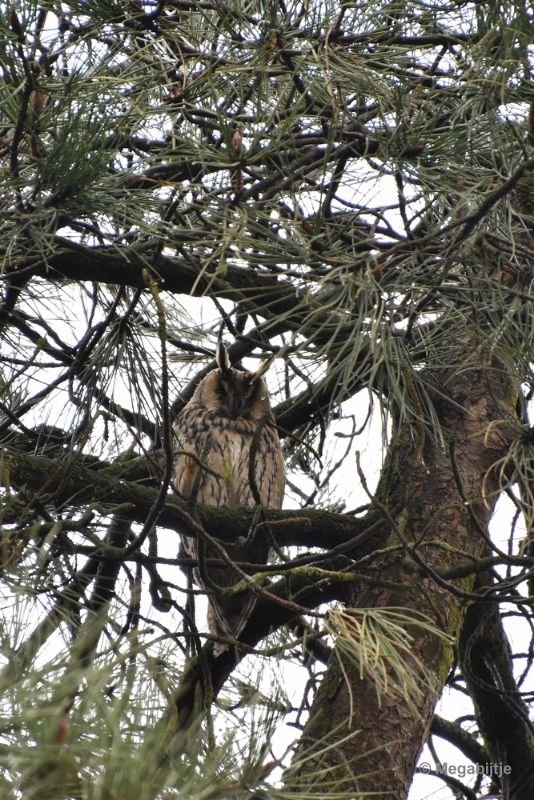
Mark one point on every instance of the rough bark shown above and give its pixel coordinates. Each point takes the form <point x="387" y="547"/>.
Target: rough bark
<point x="475" y="408"/>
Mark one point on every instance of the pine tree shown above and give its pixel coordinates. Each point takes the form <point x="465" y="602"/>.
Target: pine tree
<point x="340" y="191"/>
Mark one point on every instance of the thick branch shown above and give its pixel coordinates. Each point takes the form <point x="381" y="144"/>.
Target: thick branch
<point x="77" y="485"/>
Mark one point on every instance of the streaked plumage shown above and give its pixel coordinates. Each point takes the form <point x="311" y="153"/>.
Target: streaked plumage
<point x="218" y="425"/>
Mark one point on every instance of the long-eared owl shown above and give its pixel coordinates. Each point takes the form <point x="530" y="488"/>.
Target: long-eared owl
<point x="218" y="426"/>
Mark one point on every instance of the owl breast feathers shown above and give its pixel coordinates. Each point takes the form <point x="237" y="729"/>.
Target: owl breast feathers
<point x="229" y="412"/>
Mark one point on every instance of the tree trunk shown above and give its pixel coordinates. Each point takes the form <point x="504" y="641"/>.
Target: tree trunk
<point x="376" y="750"/>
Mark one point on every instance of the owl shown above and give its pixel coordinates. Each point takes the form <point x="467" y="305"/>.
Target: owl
<point x="218" y="425"/>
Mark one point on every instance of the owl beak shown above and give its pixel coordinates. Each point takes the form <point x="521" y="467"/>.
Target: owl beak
<point x="239" y="408"/>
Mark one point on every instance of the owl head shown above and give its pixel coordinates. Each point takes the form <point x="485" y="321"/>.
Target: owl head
<point x="234" y="393"/>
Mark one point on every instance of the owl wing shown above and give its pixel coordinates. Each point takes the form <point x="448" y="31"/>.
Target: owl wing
<point x="228" y="615"/>
<point x="268" y="469"/>
<point x="196" y="431"/>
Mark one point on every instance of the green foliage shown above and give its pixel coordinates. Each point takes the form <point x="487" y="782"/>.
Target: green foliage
<point x="377" y="643"/>
<point x="96" y="730"/>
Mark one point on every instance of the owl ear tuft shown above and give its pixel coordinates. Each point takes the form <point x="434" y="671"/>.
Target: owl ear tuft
<point x="222" y="358"/>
